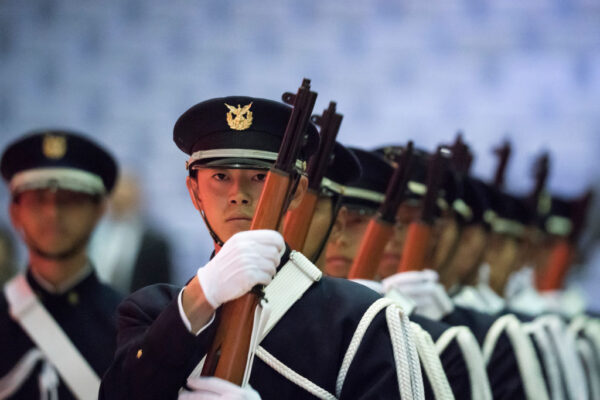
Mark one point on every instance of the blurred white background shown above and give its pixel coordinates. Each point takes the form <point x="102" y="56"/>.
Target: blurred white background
<point x="124" y="70"/>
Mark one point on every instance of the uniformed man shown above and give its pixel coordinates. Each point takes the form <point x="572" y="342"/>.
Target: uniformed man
<point x="326" y="221"/>
<point x="164" y="331"/>
<point x="503" y="358"/>
<point x="57" y="330"/>
<point x="360" y="201"/>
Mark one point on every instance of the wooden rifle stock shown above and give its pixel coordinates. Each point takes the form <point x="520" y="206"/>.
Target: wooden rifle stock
<point x="415" y="246"/>
<point x="228" y="355"/>
<point x="381" y="227"/>
<point x="366" y="262"/>
<point x="419" y="232"/>
<point x="297" y="221"/>
<point x="555" y="270"/>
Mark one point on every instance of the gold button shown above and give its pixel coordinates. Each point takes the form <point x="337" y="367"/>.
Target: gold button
<point x="139" y="354"/>
<point x="73" y="298"/>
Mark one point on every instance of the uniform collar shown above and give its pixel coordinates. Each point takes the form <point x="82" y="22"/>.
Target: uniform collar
<point x="37" y="280"/>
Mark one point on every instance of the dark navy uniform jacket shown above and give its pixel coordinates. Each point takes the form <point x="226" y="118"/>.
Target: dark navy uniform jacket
<point x="156" y="353"/>
<point x="86" y="313"/>
<point x="503" y="370"/>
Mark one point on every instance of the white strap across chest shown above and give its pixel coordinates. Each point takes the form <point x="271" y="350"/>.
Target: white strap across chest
<point x="26" y="309"/>
<point x="290" y="283"/>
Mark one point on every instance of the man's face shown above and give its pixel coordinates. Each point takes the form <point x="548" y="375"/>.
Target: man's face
<point x="444" y="236"/>
<point x="472" y="244"/>
<point x="501" y="254"/>
<point x="55" y="222"/>
<point x="343" y="246"/>
<point x="228" y="197"/>
<point x="393" y="250"/>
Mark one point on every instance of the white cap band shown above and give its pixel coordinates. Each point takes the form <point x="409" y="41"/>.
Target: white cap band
<point x="64" y="178"/>
<point x="238" y="153"/>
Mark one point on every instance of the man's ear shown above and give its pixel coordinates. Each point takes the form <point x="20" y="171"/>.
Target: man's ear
<point x="339" y="225"/>
<point x="299" y="193"/>
<point x="192" y="186"/>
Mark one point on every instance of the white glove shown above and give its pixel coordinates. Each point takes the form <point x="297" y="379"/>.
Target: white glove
<point x="209" y="387"/>
<point x="247" y="259"/>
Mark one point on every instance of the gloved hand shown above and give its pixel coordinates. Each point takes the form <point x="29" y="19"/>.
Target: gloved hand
<point x="209" y="387"/>
<point x="247" y="259"/>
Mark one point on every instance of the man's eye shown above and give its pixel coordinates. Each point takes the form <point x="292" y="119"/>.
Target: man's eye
<point x="220" y="176"/>
<point x="260" y="177"/>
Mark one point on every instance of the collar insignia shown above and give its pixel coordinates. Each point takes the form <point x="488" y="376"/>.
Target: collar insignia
<point x="239" y="118"/>
<point x="54" y="147"/>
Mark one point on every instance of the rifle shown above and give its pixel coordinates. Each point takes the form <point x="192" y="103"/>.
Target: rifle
<point x="503" y="154"/>
<point x="227" y="357"/>
<point x="462" y="158"/>
<point x="381" y="226"/>
<point x="419" y="232"/>
<point x="297" y="221"/>
<point x="563" y="251"/>
<point x="541" y="171"/>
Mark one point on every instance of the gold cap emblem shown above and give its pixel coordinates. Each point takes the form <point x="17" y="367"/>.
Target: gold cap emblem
<point x="239" y="118"/>
<point x="54" y="147"/>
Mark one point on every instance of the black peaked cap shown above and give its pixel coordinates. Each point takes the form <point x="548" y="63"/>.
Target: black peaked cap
<point x="237" y="122"/>
<point x="345" y="166"/>
<point x="55" y="148"/>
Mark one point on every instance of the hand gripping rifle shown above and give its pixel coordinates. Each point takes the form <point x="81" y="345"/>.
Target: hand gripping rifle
<point x="297" y="221"/>
<point x="563" y="251"/>
<point x="381" y="227"/>
<point x="227" y="357"/>
<point x="419" y="231"/>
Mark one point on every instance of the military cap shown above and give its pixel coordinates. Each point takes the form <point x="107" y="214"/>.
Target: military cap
<point x="58" y="159"/>
<point x="368" y="191"/>
<point x="555" y="215"/>
<point x="416" y="187"/>
<point x="507" y="214"/>
<point x="474" y="195"/>
<point x="237" y="132"/>
<point x="343" y="169"/>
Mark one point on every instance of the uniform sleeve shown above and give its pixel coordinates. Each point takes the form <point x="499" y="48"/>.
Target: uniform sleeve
<point x="155" y="351"/>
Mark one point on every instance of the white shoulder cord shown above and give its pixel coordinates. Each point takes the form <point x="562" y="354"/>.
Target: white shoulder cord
<point x="548" y="356"/>
<point x="292" y="375"/>
<point x="584" y="330"/>
<point x="432" y="364"/>
<point x="565" y="347"/>
<point x="586" y="352"/>
<point x="401" y="343"/>
<point x="471" y="352"/>
<point x="528" y="363"/>
<point x="401" y="334"/>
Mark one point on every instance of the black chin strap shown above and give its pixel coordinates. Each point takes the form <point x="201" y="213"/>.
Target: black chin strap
<point x="213" y="234"/>
<point x="337" y="204"/>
